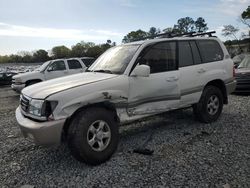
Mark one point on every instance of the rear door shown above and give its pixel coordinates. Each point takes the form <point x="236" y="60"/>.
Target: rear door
<point x="74" y="66"/>
<point x="189" y="60"/>
<point x="160" y="91"/>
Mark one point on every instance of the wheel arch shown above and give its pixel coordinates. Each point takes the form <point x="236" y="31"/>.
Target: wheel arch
<point x="220" y="85"/>
<point x="106" y="105"/>
<point x="33" y="80"/>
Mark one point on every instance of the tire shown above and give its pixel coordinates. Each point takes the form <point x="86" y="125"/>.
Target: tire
<point x="84" y="139"/>
<point x="210" y="106"/>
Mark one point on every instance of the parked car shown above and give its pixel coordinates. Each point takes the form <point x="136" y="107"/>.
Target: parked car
<point x="6" y="78"/>
<point x="127" y="83"/>
<point x="51" y="69"/>
<point x="243" y="76"/>
<point x="238" y="58"/>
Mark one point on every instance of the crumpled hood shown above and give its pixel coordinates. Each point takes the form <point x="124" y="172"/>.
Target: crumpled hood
<point x="43" y="89"/>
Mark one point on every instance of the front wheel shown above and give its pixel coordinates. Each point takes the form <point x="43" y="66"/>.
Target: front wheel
<point x="210" y="106"/>
<point x="93" y="135"/>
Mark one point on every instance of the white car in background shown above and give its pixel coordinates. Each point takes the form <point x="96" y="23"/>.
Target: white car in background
<point x="51" y="69"/>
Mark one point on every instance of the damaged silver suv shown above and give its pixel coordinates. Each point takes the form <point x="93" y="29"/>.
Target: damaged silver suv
<point x="126" y="83"/>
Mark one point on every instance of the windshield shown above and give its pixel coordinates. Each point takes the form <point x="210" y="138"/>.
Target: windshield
<point x="114" y="60"/>
<point x="43" y="66"/>
<point x="245" y="63"/>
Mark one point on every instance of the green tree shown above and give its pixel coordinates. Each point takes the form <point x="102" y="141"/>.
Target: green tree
<point x="245" y="16"/>
<point x="184" y="25"/>
<point x="40" y="56"/>
<point x="94" y="51"/>
<point x="134" y="35"/>
<point x="60" y="52"/>
<point x="78" y="50"/>
<point x="200" y="25"/>
<point x="153" y="31"/>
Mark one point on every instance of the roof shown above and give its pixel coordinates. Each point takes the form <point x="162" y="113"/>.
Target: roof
<point x="171" y="36"/>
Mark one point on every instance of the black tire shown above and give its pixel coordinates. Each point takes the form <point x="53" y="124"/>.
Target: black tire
<point x="79" y="131"/>
<point x="201" y="109"/>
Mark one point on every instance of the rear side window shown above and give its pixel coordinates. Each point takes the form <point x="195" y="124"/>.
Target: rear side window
<point x="88" y="62"/>
<point x="210" y="50"/>
<point x="185" y="54"/>
<point x="160" y="57"/>
<point x="195" y="51"/>
<point x="74" y="64"/>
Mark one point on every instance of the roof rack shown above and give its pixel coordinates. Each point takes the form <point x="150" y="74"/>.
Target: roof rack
<point x="172" y="35"/>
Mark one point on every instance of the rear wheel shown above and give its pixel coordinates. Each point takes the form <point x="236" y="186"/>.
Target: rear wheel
<point x="210" y="106"/>
<point x="93" y="136"/>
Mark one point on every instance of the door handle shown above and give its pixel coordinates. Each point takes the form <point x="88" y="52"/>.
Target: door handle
<point x="201" y="70"/>
<point x="172" y="79"/>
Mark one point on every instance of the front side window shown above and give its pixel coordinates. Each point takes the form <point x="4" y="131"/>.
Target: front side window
<point x="210" y="51"/>
<point x="74" y="64"/>
<point x="57" y="66"/>
<point x="114" y="60"/>
<point x="160" y="57"/>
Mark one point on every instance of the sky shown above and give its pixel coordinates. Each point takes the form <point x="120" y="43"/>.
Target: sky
<point x="28" y="25"/>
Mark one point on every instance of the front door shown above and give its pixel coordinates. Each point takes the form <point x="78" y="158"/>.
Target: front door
<point x="56" y="69"/>
<point x="160" y="91"/>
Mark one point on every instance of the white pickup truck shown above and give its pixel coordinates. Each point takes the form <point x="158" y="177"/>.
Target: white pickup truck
<point x="51" y="69"/>
<point x="126" y="83"/>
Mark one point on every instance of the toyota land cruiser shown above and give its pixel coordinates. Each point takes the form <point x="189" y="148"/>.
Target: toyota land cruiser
<point x="126" y="83"/>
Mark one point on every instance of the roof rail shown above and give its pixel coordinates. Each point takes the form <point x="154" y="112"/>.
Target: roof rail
<point x="172" y="35"/>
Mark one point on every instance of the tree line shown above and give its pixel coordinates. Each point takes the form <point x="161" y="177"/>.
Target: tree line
<point x="81" y="49"/>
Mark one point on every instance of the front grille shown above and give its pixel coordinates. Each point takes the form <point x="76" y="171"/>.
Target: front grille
<point x="24" y="102"/>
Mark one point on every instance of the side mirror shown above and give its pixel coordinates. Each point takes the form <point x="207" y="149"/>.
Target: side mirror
<point x="49" y="69"/>
<point x="141" y="71"/>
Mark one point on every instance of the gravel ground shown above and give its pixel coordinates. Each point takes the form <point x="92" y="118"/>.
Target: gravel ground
<point x="186" y="153"/>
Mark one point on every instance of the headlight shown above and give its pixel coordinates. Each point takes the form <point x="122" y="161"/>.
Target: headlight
<point x="42" y="108"/>
<point x="36" y="107"/>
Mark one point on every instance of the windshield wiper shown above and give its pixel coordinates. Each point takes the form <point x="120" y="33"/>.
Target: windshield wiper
<point x="102" y="70"/>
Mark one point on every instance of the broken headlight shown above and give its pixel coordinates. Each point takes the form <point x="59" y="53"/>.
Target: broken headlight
<point x="42" y="108"/>
<point x="35" y="107"/>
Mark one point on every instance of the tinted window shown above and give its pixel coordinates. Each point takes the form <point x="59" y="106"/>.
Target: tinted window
<point x="210" y="50"/>
<point x="88" y="62"/>
<point x="160" y="57"/>
<point x="57" y="66"/>
<point x="195" y="51"/>
<point x="185" y="54"/>
<point x="74" y="64"/>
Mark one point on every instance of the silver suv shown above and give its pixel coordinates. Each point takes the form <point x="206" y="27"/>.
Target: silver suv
<point x="126" y="83"/>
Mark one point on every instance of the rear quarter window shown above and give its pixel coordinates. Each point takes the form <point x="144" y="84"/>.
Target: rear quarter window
<point x="210" y="51"/>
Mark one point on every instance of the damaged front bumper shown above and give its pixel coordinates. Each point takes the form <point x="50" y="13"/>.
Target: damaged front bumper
<point x="41" y="133"/>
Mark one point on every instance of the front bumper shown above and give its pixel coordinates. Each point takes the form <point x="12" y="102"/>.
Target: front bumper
<point x="41" y="133"/>
<point x="17" y="87"/>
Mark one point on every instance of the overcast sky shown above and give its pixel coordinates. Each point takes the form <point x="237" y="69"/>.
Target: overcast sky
<point x="41" y="24"/>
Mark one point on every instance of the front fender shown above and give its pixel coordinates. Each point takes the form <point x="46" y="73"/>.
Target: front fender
<point x="115" y="97"/>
